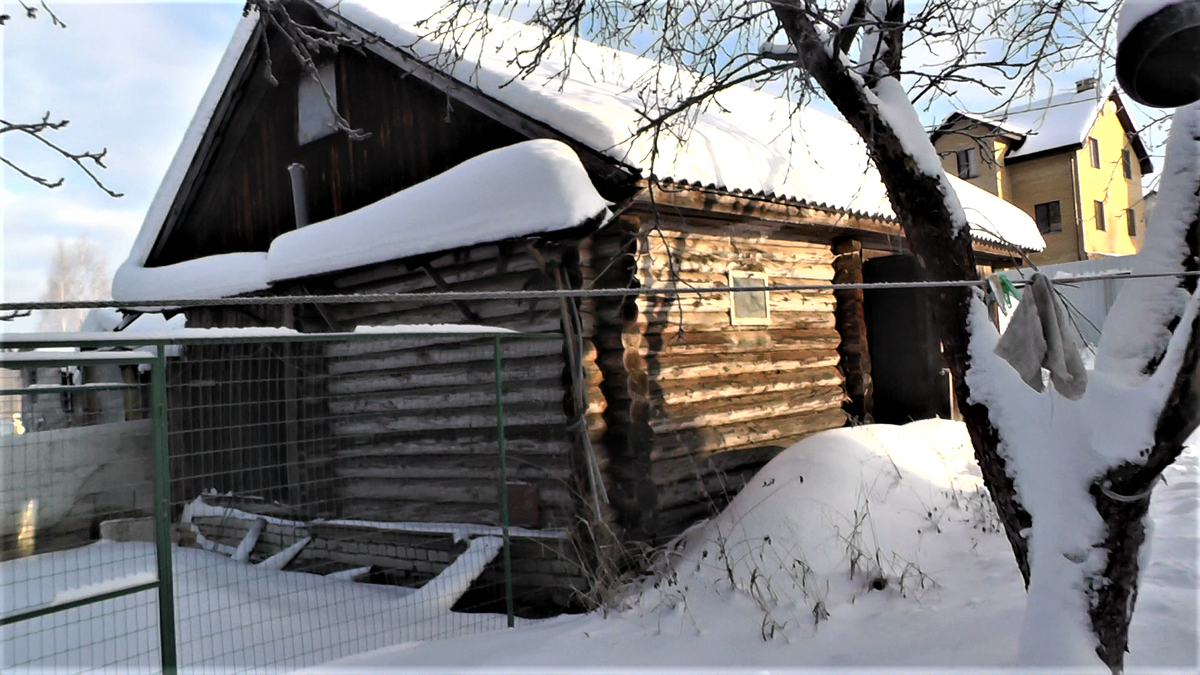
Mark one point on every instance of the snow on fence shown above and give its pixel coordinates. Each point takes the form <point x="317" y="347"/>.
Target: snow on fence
<point x="323" y="495"/>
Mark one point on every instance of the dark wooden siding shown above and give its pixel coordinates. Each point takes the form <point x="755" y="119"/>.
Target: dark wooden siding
<point x="243" y="199"/>
<point x="414" y="420"/>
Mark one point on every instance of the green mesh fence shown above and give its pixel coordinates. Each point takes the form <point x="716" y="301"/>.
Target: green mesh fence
<point x="327" y="495"/>
<point x="78" y="565"/>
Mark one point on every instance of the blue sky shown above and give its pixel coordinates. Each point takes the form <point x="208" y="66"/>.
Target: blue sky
<point x="129" y="76"/>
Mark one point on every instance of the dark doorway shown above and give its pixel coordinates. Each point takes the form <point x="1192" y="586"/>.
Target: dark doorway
<point x="906" y="358"/>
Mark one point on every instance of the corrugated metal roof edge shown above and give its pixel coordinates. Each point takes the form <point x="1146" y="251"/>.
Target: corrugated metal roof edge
<point x="820" y="206"/>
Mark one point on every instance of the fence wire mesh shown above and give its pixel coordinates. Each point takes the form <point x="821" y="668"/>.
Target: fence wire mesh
<point x="76" y="466"/>
<point x="327" y="496"/>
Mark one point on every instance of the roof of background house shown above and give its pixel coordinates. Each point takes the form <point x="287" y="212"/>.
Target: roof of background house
<point x="749" y="141"/>
<point x="1061" y="122"/>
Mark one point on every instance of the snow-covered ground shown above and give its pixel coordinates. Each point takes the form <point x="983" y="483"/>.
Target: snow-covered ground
<point x="231" y="616"/>
<point x="768" y="584"/>
<point x="870" y="549"/>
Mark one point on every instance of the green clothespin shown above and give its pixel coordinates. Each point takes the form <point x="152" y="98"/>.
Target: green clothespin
<point x="1010" y="291"/>
<point x="1003" y="291"/>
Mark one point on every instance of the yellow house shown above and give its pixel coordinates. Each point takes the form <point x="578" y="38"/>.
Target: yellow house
<point x="1074" y="162"/>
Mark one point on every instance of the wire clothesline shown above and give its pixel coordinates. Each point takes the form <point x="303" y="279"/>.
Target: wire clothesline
<point x="368" y="298"/>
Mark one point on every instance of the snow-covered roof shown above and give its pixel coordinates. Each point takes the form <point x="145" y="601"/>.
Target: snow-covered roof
<point x="999" y="125"/>
<point x="1059" y="121"/>
<point x="529" y="188"/>
<point x="748" y="141"/>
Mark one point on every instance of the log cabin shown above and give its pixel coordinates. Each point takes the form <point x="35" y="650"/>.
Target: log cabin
<point x="650" y="411"/>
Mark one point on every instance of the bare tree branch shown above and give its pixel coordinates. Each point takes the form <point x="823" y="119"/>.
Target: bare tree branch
<point x="84" y="160"/>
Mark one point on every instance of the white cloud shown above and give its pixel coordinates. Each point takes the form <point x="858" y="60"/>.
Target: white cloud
<point x="128" y="76"/>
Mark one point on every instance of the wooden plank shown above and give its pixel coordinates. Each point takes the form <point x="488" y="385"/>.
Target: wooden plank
<point x="752" y="409"/>
<point x="427" y="312"/>
<point x="514" y="349"/>
<point x="452" y="468"/>
<point x="798" y="384"/>
<point x="778" y="301"/>
<point x="672" y="369"/>
<point x="759" y="432"/>
<point x="703" y="464"/>
<point x="548" y="392"/>
<point x="713" y="488"/>
<point x="715" y="272"/>
<point x="686" y="245"/>
<point x="419" y="447"/>
<point x="467" y="418"/>
<point x="745" y="339"/>
<point x="396" y="511"/>
<point x="448" y="491"/>
<point x="476" y="374"/>
<point x="387" y="271"/>
<point x="457" y="269"/>
<point x="666" y="318"/>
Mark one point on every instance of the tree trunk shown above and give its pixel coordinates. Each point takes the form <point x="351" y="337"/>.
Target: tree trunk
<point x="944" y="253"/>
<point x="942" y="245"/>
<point x="1115" y="590"/>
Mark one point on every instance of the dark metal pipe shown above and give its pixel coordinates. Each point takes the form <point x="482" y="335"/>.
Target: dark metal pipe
<point x="299" y="198"/>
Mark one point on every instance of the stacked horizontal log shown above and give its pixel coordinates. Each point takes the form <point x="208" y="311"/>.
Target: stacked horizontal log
<point x="852" y="325"/>
<point x="608" y="261"/>
<point x="699" y="403"/>
<point x="414" y="420"/>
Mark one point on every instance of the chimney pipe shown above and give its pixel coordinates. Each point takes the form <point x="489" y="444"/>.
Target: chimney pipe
<point x="1086" y="84"/>
<point x="299" y="200"/>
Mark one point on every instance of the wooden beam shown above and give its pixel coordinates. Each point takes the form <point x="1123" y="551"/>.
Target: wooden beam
<point x="445" y="288"/>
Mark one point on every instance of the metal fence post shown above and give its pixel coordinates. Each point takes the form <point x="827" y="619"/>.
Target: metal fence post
<point x="508" y="591"/>
<point x="162" y="512"/>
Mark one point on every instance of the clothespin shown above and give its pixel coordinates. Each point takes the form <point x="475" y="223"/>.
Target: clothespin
<point x="1010" y="291"/>
<point x="1002" y="292"/>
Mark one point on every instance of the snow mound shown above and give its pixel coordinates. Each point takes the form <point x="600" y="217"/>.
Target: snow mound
<point x="529" y="188"/>
<point x="839" y="515"/>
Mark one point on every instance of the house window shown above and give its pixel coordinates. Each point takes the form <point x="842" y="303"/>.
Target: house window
<point x="1094" y="151"/>
<point x="1048" y="217"/>
<point x="968" y="166"/>
<point x="1098" y="207"/>
<point x="1131" y="222"/>
<point x="748" y="307"/>
<point x="314" y="114"/>
<point x="1127" y="163"/>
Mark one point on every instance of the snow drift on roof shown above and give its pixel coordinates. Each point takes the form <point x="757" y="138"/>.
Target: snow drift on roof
<point x="748" y="141"/>
<point x="531" y="187"/>
<point x="523" y="189"/>
<point x="1058" y="121"/>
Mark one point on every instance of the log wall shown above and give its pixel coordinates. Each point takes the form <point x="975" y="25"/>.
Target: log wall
<point x="696" y="405"/>
<point x="852" y="326"/>
<point x="414" y="420"/>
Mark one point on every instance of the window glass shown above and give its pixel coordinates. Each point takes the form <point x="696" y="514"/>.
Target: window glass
<point x="1098" y="207"/>
<point x="1048" y="217"/>
<point x="1094" y="150"/>
<point x="749" y="306"/>
<point x="1127" y="163"/>
<point x="1131" y="222"/>
<point x="967" y="164"/>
